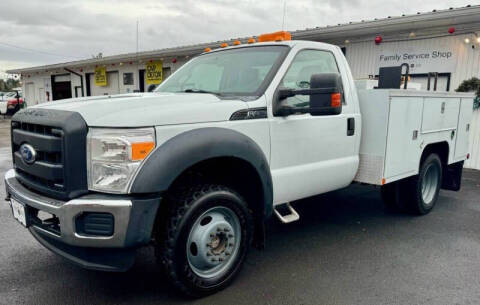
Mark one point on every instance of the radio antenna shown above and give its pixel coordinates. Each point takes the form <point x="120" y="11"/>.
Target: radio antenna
<point x="284" y="14"/>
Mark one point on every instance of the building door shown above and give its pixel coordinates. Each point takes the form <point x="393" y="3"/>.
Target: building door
<point x="41" y="95"/>
<point x="141" y="80"/>
<point x="61" y="87"/>
<point x="113" y="85"/>
<point x="30" y="93"/>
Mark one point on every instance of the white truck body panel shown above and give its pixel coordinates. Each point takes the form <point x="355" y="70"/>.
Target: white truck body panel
<point x="399" y="124"/>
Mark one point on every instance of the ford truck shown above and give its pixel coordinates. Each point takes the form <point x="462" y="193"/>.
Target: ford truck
<point x="198" y="166"/>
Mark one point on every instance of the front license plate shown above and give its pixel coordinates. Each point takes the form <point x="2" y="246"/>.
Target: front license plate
<point x="18" y="210"/>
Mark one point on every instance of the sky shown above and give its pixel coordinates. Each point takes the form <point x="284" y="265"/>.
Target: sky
<point x="36" y="32"/>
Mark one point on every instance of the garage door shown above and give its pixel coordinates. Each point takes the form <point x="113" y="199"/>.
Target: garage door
<point x="113" y="86"/>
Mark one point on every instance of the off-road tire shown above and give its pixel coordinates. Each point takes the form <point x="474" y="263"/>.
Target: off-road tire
<point x="171" y="248"/>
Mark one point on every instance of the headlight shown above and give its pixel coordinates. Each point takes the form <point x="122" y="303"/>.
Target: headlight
<point x="114" y="155"/>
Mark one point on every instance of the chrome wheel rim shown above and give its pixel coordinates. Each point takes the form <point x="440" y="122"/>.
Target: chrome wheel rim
<point x="430" y="183"/>
<point x="213" y="242"/>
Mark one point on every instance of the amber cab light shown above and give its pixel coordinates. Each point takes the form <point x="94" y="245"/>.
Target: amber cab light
<point x="207" y="50"/>
<point x="336" y="100"/>
<point x="277" y="36"/>
<point x="251" y="40"/>
<point x="224" y="45"/>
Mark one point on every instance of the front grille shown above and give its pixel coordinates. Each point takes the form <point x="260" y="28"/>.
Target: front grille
<point x="47" y="171"/>
<point x="58" y="138"/>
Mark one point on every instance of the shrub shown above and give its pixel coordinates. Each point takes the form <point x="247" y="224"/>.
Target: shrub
<point x="470" y="85"/>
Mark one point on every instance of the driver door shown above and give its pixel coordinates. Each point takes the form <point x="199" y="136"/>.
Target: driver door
<point x="310" y="154"/>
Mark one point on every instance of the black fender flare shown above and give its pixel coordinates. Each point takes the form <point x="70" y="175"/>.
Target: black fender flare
<point x="172" y="158"/>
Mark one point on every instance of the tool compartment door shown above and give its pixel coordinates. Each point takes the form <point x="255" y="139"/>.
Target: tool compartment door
<point x="440" y="114"/>
<point x="463" y="129"/>
<point x="405" y="119"/>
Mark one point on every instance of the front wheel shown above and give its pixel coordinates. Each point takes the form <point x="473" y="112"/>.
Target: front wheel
<point x="209" y="231"/>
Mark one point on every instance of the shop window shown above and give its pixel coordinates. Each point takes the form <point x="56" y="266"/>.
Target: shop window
<point x="128" y="78"/>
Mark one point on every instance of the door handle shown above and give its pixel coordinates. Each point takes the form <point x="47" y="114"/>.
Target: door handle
<point x="350" y="126"/>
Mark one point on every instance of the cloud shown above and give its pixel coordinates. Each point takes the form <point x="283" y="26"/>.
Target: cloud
<point x="70" y="29"/>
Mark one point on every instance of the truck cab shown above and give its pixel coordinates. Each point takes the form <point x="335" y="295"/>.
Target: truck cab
<point x="197" y="166"/>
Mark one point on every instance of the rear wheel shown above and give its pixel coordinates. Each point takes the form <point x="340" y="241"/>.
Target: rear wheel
<point x="208" y="234"/>
<point x="421" y="191"/>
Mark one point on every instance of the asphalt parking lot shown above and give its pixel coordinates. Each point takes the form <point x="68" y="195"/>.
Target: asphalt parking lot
<point x="344" y="250"/>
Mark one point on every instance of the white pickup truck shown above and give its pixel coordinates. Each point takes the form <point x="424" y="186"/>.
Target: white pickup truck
<point x="224" y="143"/>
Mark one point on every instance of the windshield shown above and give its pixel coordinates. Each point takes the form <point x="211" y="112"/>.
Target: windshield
<point x="239" y="72"/>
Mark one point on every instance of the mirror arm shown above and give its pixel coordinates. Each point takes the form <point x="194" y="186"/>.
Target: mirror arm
<point x="286" y="93"/>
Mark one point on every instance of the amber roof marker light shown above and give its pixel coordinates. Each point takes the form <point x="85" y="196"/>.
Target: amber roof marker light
<point x="276" y="36"/>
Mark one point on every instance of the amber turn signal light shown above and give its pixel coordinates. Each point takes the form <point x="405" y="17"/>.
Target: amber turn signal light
<point x="336" y="100"/>
<point x="141" y="150"/>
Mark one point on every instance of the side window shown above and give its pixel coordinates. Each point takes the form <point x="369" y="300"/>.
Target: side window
<point x="304" y="65"/>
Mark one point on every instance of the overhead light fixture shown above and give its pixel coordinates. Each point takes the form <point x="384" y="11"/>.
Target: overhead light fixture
<point x="412" y="35"/>
<point x="467" y="40"/>
<point x="478" y="39"/>
<point x="347" y="41"/>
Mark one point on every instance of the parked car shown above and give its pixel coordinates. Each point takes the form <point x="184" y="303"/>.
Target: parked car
<point x="8" y="102"/>
<point x="229" y="140"/>
<point x="15" y="103"/>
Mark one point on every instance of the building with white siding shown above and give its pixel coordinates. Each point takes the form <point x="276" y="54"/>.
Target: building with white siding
<point x="444" y="43"/>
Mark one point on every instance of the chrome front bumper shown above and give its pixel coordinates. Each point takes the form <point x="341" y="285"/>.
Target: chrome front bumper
<point x="67" y="211"/>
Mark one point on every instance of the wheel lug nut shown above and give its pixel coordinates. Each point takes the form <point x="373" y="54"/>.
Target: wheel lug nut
<point x="212" y="235"/>
<point x="227" y="253"/>
<point x="226" y="230"/>
<point x="230" y="245"/>
<point x="230" y="235"/>
<point x="214" y="259"/>
<point x="220" y="259"/>
<point x="208" y="254"/>
<point x="218" y="229"/>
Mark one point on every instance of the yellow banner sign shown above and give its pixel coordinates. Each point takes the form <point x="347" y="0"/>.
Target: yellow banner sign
<point x="101" y="77"/>
<point x="153" y="73"/>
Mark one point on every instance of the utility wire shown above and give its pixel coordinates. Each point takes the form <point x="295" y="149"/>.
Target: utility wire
<point x="38" y="51"/>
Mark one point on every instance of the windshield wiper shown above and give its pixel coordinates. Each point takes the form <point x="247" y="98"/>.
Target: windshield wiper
<point x="200" y="91"/>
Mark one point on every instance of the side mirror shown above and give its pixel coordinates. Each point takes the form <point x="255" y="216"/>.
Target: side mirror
<point x="325" y="96"/>
<point x="328" y="103"/>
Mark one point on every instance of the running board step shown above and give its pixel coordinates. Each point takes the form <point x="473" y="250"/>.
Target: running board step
<point x="286" y="213"/>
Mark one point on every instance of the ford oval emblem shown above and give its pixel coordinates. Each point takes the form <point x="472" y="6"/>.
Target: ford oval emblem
<point x="28" y="153"/>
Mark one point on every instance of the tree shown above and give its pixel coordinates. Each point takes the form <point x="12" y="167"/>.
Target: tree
<point x="9" y="84"/>
<point x="471" y="85"/>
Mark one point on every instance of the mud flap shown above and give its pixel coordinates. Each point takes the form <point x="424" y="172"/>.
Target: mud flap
<point x="452" y="176"/>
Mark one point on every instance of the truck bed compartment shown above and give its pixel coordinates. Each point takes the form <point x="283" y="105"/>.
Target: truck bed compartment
<point x="398" y="124"/>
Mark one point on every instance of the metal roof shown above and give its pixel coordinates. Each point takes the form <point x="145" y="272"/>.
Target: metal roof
<point x="465" y="19"/>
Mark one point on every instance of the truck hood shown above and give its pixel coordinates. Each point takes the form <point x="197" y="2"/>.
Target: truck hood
<point x="149" y="109"/>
